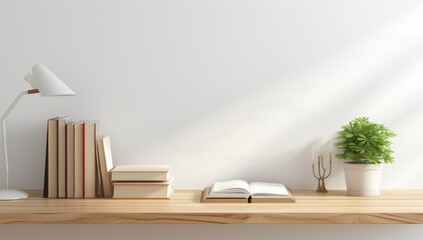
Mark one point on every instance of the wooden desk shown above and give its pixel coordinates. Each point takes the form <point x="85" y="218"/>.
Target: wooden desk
<point x="393" y="206"/>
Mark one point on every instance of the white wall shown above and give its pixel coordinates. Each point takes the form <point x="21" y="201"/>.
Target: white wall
<point x="218" y="89"/>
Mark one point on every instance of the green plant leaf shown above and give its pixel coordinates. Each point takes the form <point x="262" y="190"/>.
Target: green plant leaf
<point x="362" y="141"/>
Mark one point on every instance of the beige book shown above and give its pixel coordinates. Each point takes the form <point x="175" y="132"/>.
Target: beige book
<point x="61" y="156"/>
<point x="79" y="160"/>
<point x="106" y="164"/>
<point x="89" y="160"/>
<point x="141" y="173"/>
<point x="52" y="158"/>
<point x="70" y="160"/>
<point x="143" y="190"/>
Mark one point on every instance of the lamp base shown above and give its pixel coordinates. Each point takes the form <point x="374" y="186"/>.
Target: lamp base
<point x="12" y="194"/>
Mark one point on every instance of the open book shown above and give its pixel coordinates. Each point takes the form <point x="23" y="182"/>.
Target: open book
<point x="241" y="191"/>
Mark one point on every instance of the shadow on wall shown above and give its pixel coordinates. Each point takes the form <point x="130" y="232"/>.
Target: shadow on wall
<point x="266" y="135"/>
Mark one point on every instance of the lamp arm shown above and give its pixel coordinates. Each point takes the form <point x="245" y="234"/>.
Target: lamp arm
<point x="3" y="129"/>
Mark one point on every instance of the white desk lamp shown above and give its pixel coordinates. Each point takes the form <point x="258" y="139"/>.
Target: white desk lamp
<point x="47" y="84"/>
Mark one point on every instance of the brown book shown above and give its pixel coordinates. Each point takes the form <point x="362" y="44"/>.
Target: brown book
<point x="52" y="157"/>
<point x="143" y="190"/>
<point x="105" y="164"/>
<point x="79" y="160"/>
<point x="89" y="159"/>
<point x="45" y="187"/>
<point x="70" y="160"/>
<point x="61" y="156"/>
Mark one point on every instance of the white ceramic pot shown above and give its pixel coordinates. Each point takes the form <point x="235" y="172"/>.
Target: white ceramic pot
<point x="363" y="179"/>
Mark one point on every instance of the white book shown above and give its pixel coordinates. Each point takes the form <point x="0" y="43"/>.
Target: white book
<point x="106" y="164"/>
<point x="243" y="189"/>
<point x="268" y="190"/>
<point x="230" y="189"/>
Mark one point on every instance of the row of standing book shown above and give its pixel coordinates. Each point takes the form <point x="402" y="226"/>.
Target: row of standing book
<point x="72" y="167"/>
<point x="79" y="165"/>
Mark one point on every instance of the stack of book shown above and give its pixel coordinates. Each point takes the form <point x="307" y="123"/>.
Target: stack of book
<point x="72" y="168"/>
<point x="142" y="181"/>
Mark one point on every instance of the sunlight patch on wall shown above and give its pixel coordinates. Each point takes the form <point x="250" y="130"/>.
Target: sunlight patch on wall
<point x="270" y="131"/>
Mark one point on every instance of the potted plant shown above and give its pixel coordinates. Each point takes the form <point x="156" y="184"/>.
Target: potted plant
<point x="366" y="146"/>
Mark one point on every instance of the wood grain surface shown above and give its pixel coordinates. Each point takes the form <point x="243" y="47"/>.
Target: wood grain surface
<point x="393" y="206"/>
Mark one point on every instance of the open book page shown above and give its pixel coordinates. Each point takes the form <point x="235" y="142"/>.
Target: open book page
<point x="230" y="189"/>
<point x="268" y="190"/>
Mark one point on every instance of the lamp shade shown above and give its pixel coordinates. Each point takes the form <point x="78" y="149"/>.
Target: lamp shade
<point x="46" y="82"/>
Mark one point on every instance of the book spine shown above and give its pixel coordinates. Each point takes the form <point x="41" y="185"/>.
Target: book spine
<point x="90" y="166"/>
<point x="52" y="158"/>
<point x="84" y="149"/>
<point x="70" y="161"/>
<point x="79" y="154"/>
<point x="61" y="158"/>
<point x="45" y="188"/>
